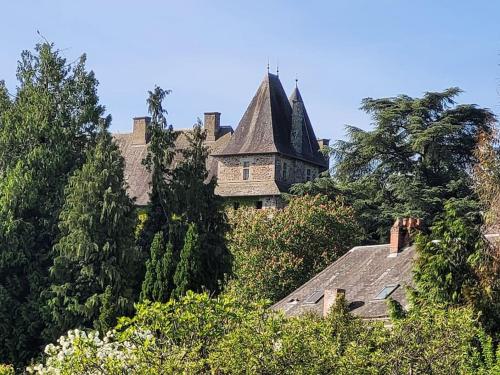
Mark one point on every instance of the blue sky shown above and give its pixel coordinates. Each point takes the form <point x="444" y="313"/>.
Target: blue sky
<point x="213" y="54"/>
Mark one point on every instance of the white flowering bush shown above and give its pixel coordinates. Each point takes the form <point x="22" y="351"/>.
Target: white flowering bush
<point x="80" y="352"/>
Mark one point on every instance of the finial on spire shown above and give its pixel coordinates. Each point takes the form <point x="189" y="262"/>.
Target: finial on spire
<point x="268" y="65"/>
<point x="296" y="81"/>
<point x="277" y="68"/>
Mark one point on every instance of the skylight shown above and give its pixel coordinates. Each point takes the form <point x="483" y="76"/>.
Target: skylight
<point x="386" y="291"/>
<point x="314" y="297"/>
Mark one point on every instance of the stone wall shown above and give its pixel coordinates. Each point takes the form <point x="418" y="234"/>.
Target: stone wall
<point x="296" y="170"/>
<point x="261" y="167"/>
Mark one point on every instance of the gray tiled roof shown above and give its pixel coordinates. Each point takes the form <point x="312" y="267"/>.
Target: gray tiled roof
<point x="362" y="272"/>
<point x="136" y="175"/>
<point x="267" y="124"/>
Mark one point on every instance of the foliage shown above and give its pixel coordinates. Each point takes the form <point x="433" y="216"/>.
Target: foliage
<point x="277" y="251"/>
<point x="419" y="154"/>
<point x="96" y="249"/>
<point x="45" y="130"/>
<point x="197" y="334"/>
<point x="157" y="284"/>
<point x="195" y="261"/>
<point x="199" y="208"/>
<point x="158" y="162"/>
<point x="6" y="369"/>
<point x="450" y="260"/>
<point x="189" y="274"/>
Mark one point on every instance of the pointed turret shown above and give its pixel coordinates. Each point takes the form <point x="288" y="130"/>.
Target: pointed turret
<point x="303" y="139"/>
<point x="270" y="125"/>
<point x="265" y="126"/>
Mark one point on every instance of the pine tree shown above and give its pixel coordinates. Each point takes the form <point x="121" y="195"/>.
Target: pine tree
<point x="158" y="284"/>
<point x="45" y="130"/>
<point x="189" y="274"/>
<point x="94" y="268"/>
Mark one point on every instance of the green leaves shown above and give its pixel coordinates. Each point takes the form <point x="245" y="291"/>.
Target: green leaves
<point x="277" y="251"/>
<point x="95" y="260"/>
<point x="45" y="129"/>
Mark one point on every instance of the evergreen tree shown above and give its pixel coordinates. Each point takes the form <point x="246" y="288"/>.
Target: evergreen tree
<point x="451" y="261"/>
<point x="158" y="162"/>
<point x="197" y="204"/>
<point x="419" y="154"/>
<point x="45" y="130"/>
<point x="158" y="284"/>
<point x="189" y="274"/>
<point x="95" y="256"/>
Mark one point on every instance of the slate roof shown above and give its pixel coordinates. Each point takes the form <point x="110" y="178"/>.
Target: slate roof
<point x="136" y="175"/>
<point x="266" y="126"/>
<point x="363" y="272"/>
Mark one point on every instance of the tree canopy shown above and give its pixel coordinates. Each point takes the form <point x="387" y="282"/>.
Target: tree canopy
<point x="420" y="153"/>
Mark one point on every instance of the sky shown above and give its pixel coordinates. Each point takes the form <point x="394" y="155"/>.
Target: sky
<point x="213" y="54"/>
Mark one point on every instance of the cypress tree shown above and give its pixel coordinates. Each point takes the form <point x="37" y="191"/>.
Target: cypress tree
<point x="198" y="204"/>
<point x="158" y="162"/>
<point x="189" y="274"/>
<point x="95" y="257"/>
<point x="45" y="130"/>
<point x="157" y="284"/>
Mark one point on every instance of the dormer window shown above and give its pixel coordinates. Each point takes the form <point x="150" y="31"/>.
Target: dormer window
<point x="246" y="170"/>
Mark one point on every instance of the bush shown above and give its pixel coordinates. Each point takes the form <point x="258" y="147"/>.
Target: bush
<point x="277" y="251"/>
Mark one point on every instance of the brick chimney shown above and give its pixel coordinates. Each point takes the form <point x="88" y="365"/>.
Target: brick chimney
<point x="400" y="234"/>
<point x="212" y="125"/>
<point x="330" y="297"/>
<point x="140" y="135"/>
<point x="323" y="142"/>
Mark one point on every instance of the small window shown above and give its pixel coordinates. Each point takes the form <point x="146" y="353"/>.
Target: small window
<point x="308" y="174"/>
<point x="285" y="170"/>
<point x="386" y="291"/>
<point x="314" y="297"/>
<point x="236" y="205"/>
<point x="258" y="205"/>
<point x="246" y="170"/>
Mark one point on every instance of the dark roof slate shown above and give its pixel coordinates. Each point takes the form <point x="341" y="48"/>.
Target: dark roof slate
<point x="363" y="272"/>
<point x="266" y="126"/>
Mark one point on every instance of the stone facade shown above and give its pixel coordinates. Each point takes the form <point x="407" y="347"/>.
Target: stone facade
<point x="260" y="168"/>
<point x="272" y="148"/>
<point x="291" y="171"/>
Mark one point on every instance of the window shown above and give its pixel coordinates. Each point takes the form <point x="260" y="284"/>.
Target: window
<point x="386" y="291"/>
<point x="308" y="174"/>
<point x="246" y="170"/>
<point x="258" y="205"/>
<point x="314" y="297"/>
<point x="285" y="170"/>
<point x="236" y="205"/>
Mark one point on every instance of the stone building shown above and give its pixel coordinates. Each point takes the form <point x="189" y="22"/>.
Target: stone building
<point x="273" y="147"/>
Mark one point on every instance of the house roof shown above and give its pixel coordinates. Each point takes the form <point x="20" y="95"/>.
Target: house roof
<point x="266" y="126"/>
<point x="136" y="175"/>
<point x="362" y="272"/>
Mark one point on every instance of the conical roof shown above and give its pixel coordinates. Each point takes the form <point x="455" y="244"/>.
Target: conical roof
<point x="310" y="146"/>
<point x="266" y="126"/>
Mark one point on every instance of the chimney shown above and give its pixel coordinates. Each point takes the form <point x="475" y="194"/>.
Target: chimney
<point x="330" y="297"/>
<point x="140" y="135"/>
<point x="323" y="142"/>
<point x="400" y="234"/>
<point x="212" y="125"/>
